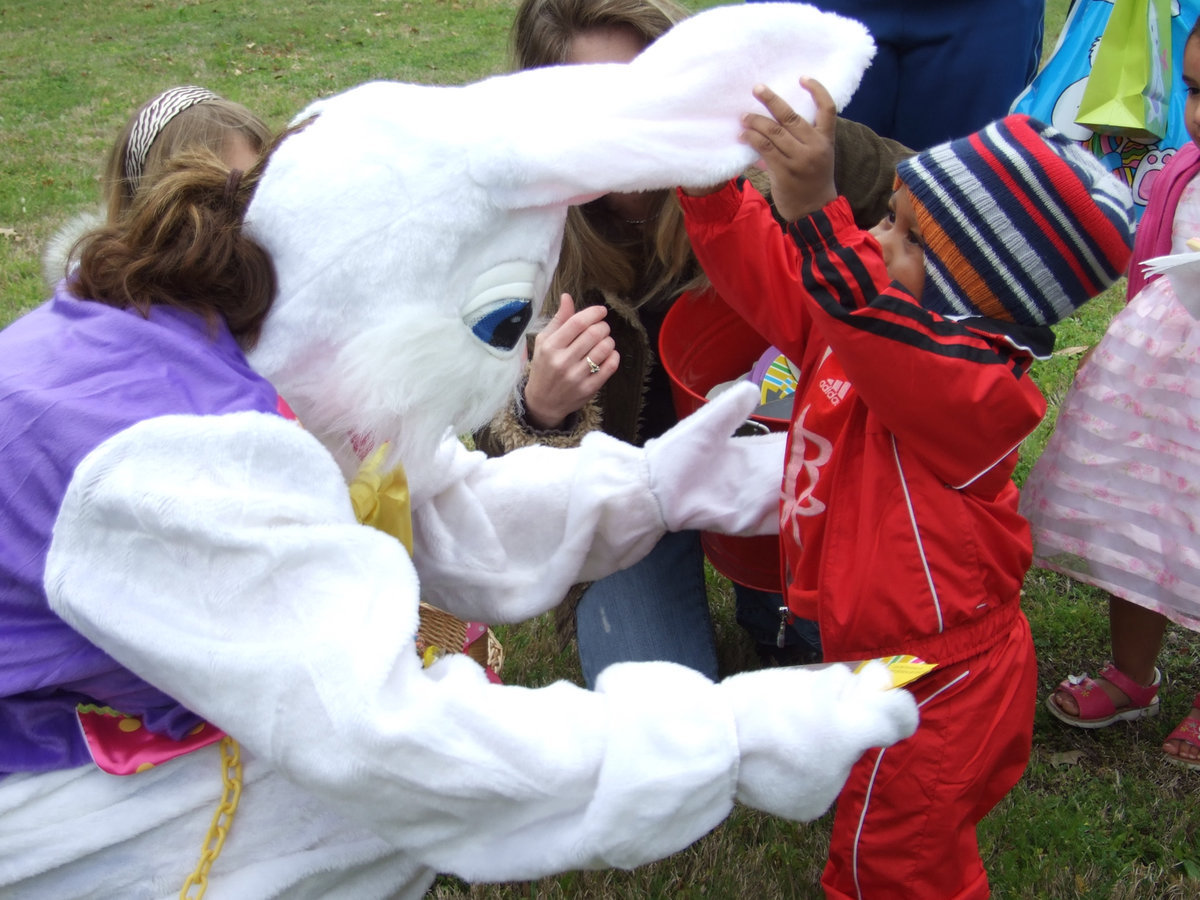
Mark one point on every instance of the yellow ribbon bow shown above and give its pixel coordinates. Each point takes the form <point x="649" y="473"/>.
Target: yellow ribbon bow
<point x="382" y="500"/>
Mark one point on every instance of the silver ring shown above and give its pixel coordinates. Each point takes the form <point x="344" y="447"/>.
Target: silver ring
<point x="591" y="365"/>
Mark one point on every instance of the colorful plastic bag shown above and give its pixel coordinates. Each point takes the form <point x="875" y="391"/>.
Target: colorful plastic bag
<point x="1055" y="93"/>
<point x="1129" y="87"/>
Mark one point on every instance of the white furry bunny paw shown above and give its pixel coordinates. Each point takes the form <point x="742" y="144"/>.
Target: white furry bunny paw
<point x="705" y="478"/>
<point x="801" y="730"/>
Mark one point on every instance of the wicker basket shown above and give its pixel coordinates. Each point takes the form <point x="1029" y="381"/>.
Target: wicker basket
<point x="450" y="634"/>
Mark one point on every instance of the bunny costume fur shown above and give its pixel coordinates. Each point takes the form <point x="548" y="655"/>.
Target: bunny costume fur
<point x="188" y="552"/>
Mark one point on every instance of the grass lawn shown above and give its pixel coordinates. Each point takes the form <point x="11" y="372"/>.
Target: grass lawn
<point x="1097" y="814"/>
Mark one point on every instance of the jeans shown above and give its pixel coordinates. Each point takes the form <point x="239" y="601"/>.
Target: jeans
<point x="657" y="609"/>
<point x="758" y="613"/>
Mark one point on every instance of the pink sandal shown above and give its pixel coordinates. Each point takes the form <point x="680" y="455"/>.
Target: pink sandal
<point x="1188" y="732"/>
<point x="1096" y="708"/>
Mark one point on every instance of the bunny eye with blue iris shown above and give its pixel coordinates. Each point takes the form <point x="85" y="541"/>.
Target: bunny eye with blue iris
<point x="499" y="305"/>
<point x="501" y="323"/>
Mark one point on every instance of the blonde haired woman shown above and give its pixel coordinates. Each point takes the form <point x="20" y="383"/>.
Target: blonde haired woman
<point x="625" y="259"/>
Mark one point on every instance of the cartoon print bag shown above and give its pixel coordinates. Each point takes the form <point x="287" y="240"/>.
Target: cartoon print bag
<point x="1129" y="86"/>
<point x="1055" y="93"/>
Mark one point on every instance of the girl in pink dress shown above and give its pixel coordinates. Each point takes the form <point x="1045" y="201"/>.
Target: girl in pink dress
<point x="1114" y="500"/>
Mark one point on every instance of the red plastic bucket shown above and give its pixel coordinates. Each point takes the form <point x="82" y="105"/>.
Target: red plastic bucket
<point x="703" y="343"/>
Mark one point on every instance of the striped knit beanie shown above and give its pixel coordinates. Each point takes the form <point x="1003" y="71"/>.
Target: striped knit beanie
<point x="1019" y="223"/>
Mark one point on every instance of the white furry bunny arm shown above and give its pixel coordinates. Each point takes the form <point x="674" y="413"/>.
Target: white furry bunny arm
<point x="503" y="539"/>
<point x="218" y="558"/>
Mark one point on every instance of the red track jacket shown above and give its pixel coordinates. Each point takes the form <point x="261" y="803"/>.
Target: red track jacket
<point x="899" y="520"/>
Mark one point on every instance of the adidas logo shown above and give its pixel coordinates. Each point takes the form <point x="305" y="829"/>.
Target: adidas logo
<point x="835" y="389"/>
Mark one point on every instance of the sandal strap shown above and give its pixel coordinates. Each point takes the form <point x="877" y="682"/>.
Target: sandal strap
<point x="1089" y="697"/>
<point x="1138" y="694"/>
<point x="1187" y="731"/>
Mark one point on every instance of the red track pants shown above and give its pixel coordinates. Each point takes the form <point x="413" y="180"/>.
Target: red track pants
<point x="905" y="821"/>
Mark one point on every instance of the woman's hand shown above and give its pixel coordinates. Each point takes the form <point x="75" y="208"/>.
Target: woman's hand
<point x="796" y="154"/>
<point x="572" y="359"/>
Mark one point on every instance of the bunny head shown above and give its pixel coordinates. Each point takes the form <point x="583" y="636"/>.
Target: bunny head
<point x="414" y="229"/>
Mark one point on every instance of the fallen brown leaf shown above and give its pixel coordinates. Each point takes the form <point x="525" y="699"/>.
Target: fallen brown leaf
<point x="1066" y="758"/>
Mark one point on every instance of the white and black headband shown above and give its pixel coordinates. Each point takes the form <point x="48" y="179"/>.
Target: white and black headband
<point x="153" y="119"/>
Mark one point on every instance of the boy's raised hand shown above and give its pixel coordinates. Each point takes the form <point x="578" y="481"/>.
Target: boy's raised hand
<point x="798" y="155"/>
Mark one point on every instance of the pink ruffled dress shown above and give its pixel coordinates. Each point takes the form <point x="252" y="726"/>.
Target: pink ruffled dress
<point x="1114" y="500"/>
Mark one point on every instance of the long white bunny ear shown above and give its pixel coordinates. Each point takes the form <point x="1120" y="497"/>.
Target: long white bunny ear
<point x="672" y="116"/>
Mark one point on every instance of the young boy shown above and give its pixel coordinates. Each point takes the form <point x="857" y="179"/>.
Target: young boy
<point x="899" y="521"/>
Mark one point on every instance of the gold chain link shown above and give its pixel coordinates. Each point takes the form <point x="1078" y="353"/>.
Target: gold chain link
<point x="214" y="840"/>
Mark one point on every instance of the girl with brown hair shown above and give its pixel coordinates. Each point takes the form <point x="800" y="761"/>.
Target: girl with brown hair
<point x="180" y="119"/>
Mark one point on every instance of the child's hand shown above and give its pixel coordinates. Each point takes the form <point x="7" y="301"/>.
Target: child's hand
<point x="572" y="359"/>
<point x="798" y="156"/>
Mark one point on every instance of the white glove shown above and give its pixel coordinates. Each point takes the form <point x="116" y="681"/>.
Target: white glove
<point x="705" y="478"/>
<point x="800" y="731"/>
